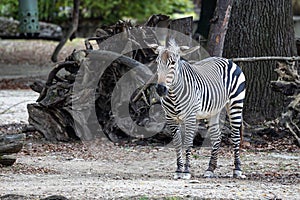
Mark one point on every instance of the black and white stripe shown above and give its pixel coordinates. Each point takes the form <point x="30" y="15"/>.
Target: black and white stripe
<point x="197" y="91"/>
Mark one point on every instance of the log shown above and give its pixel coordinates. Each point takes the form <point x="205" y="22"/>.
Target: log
<point x="7" y="160"/>
<point x="55" y="123"/>
<point x="11" y="143"/>
<point x="182" y="25"/>
<point x="9" y="146"/>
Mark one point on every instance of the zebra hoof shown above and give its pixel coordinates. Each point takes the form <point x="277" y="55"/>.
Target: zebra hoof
<point x="209" y="174"/>
<point x="186" y="176"/>
<point x="177" y="175"/>
<point x="238" y="174"/>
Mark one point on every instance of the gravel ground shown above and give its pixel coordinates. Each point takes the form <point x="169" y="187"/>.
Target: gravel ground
<point x="144" y="172"/>
<point x="13" y="105"/>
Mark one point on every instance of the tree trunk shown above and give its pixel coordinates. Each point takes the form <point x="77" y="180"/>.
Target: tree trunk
<point x="260" y="28"/>
<point x="218" y="29"/>
<point x="206" y="15"/>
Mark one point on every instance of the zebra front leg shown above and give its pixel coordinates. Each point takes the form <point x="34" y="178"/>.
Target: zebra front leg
<point x="215" y="135"/>
<point x="177" y="142"/>
<point x="190" y="126"/>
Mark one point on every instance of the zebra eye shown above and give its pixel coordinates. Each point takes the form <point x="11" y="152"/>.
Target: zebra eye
<point x="173" y="62"/>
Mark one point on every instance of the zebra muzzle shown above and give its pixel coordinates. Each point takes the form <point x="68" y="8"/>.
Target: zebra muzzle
<point x="161" y="90"/>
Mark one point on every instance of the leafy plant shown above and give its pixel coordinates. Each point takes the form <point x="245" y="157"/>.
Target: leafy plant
<point x="107" y="11"/>
<point x="9" y="8"/>
<point x="173" y="198"/>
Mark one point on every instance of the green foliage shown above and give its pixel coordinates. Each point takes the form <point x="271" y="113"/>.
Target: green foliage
<point x="296" y="7"/>
<point x="54" y="10"/>
<point x="107" y="11"/>
<point x="143" y="198"/>
<point x="9" y="8"/>
<point x="195" y="156"/>
<point x="173" y="198"/>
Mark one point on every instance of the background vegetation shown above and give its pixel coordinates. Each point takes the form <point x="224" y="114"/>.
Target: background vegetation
<point x="108" y="11"/>
<point x="296" y="7"/>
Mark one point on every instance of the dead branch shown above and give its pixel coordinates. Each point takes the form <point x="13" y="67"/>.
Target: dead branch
<point x="144" y="87"/>
<point x="14" y="105"/>
<point x="266" y="58"/>
<point x="53" y="75"/>
<point x="71" y="31"/>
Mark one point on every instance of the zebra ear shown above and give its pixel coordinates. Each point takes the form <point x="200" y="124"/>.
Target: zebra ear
<point x="184" y="50"/>
<point x="155" y="47"/>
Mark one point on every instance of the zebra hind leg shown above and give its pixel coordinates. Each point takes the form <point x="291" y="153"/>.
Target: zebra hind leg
<point x="236" y="123"/>
<point x="215" y="135"/>
<point x="236" y="139"/>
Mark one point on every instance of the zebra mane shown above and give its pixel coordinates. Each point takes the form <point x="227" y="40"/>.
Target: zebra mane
<point x="173" y="47"/>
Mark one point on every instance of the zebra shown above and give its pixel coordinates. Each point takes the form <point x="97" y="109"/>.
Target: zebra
<point x="190" y="92"/>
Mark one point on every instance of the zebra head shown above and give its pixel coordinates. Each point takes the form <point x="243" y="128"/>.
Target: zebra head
<point x="167" y="63"/>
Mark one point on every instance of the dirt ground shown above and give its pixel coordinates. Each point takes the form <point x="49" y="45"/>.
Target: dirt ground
<point x="106" y="171"/>
<point x="144" y="172"/>
<point x="24" y="61"/>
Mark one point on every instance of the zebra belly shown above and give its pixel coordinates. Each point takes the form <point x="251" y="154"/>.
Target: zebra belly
<point x="204" y="115"/>
<point x="180" y="118"/>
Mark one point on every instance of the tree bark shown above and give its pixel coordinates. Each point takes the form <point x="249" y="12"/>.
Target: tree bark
<point x="218" y="29"/>
<point x="260" y="28"/>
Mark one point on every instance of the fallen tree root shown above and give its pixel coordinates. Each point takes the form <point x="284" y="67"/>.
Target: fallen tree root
<point x="288" y="83"/>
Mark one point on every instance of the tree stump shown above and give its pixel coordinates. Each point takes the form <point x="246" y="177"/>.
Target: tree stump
<point x="56" y="114"/>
